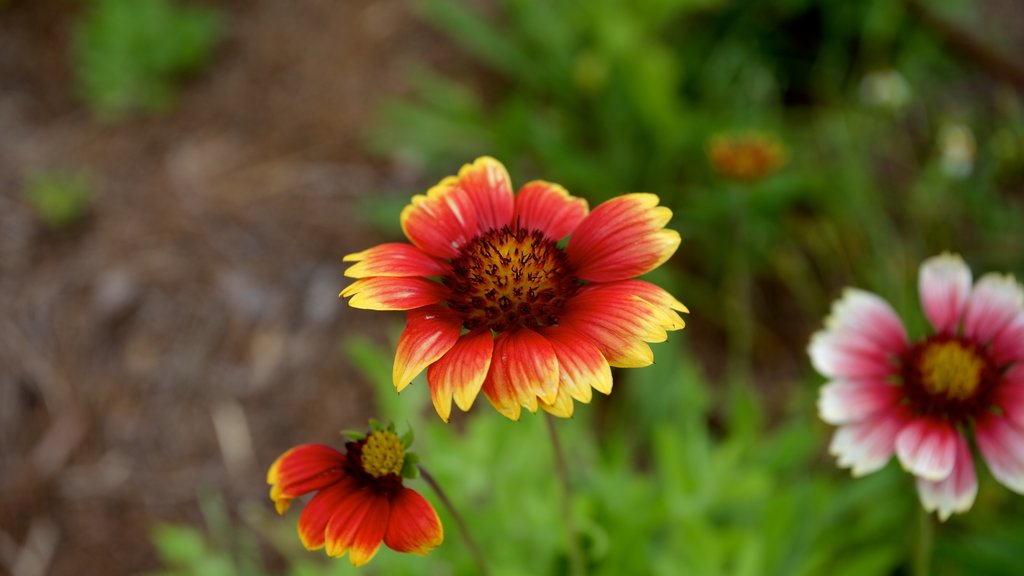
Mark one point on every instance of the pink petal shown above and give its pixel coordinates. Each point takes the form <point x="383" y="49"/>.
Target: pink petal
<point x="844" y="402"/>
<point x="866" y="446"/>
<point x="1009" y="395"/>
<point x="1002" y="444"/>
<point x="995" y="301"/>
<point x="957" y="492"/>
<point x="838" y="355"/>
<point x="926" y="447"/>
<point x="1008" y="343"/>
<point x="944" y="283"/>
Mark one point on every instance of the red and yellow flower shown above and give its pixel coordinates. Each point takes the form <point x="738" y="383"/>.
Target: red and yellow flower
<point x="496" y="303"/>
<point x="747" y="156"/>
<point x="923" y="400"/>
<point x="359" y="501"/>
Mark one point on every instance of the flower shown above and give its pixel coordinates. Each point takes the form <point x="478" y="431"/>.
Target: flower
<point x="496" y="303"/>
<point x="747" y="157"/>
<point x="359" y="499"/>
<point x="924" y="399"/>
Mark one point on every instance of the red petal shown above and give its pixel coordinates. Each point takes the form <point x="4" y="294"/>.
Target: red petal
<point x="549" y="208"/>
<point x="414" y="527"/>
<point x="487" y="184"/>
<point x="622" y="238"/>
<point x="429" y="333"/>
<point x="442" y="221"/>
<point x="618" y="324"/>
<point x="944" y="284"/>
<point x="394" y="293"/>
<point x="460" y="372"/>
<point x="395" y="260"/>
<point x="523" y="368"/>
<point x="316" y="515"/>
<point x="1002" y="444"/>
<point x="359" y="519"/>
<point x="581" y="366"/>
<point x="301" y="470"/>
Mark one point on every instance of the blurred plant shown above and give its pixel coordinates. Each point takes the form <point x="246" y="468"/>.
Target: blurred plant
<point x="58" y="199"/>
<point x="130" y="54"/>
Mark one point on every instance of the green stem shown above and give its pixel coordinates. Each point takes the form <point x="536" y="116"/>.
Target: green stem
<point x="467" y="536"/>
<point x="577" y="567"/>
<point x="923" y="544"/>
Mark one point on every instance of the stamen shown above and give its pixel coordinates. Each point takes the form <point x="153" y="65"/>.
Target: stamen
<point x="510" y="277"/>
<point x="383" y="454"/>
<point x="950" y="369"/>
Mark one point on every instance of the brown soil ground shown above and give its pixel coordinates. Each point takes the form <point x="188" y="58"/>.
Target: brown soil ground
<point x="188" y="331"/>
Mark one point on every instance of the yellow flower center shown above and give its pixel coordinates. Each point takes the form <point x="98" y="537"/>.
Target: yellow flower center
<point x="383" y="454"/>
<point x="510" y="277"/>
<point x="949" y="369"/>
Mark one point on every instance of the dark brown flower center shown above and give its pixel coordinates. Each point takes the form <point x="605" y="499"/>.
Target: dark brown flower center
<point x="510" y="277"/>
<point x="948" y="376"/>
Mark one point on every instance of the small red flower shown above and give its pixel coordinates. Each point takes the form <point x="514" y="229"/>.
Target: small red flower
<point x="360" y="500"/>
<point x="496" y="303"/>
<point x="922" y="400"/>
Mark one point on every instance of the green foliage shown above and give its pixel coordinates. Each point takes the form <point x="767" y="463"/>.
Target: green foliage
<point x="58" y="199"/>
<point x="130" y="54"/>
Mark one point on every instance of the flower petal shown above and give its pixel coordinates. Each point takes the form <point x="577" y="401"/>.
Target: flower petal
<point x="414" y="527"/>
<point x="866" y="446"/>
<point x="957" y="492"/>
<point x="661" y="304"/>
<point x="994" y="303"/>
<point x="394" y="259"/>
<point x="488" y="186"/>
<point x="581" y="366"/>
<point x="926" y="448"/>
<point x="523" y="369"/>
<point x="1008" y="344"/>
<point x="619" y="324"/>
<point x="562" y="406"/>
<point x="301" y="470"/>
<point x="549" y="208"/>
<point x="442" y="221"/>
<point x="837" y="355"/>
<point x="622" y="238"/>
<point x="319" y="511"/>
<point x="845" y="402"/>
<point x="380" y="293"/>
<point x="1002" y="445"/>
<point x="1009" y="395"/>
<point x="429" y="333"/>
<point x="358" y="526"/>
<point x="862" y="337"/>
<point x="460" y="372"/>
<point x="944" y="283"/>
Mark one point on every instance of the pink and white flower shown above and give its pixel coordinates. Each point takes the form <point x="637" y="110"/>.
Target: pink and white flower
<point x="924" y="400"/>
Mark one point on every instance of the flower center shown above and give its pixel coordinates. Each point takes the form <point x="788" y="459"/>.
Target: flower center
<point x="950" y="369"/>
<point x="383" y="454"/>
<point x="510" y="277"/>
<point x="949" y="377"/>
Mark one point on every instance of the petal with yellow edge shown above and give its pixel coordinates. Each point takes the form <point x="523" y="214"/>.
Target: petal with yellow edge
<point x="442" y="221"/>
<point x="394" y="259"/>
<point x="581" y="366"/>
<point x="460" y="372"/>
<point x="370" y="532"/>
<point x="429" y="333"/>
<point x="663" y="305"/>
<point x="414" y="527"/>
<point x="380" y="293"/>
<point x="302" y="470"/>
<point x="523" y="369"/>
<point x="489" y="187"/>
<point x="549" y="208"/>
<point x="622" y="238"/>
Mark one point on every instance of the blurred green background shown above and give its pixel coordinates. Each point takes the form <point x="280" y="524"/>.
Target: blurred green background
<point x="179" y="181"/>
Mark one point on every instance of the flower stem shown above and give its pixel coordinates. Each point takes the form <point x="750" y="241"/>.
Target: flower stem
<point x="467" y="536"/>
<point x="576" y="563"/>
<point x="923" y="544"/>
